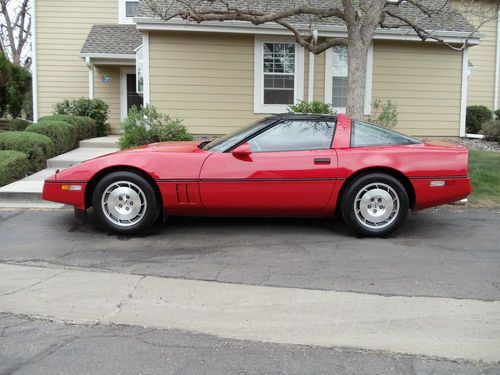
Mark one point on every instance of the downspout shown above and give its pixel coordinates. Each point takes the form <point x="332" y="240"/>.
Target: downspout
<point x="91" y="77"/>
<point x="497" y="63"/>
<point x="34" y="70"/>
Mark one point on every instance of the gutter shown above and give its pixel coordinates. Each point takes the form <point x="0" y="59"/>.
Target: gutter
<point x="497" y="63"/>
<point x="242" y="27"/>
<point x="34" y="68"/>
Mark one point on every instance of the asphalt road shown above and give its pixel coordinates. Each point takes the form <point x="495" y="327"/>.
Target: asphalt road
<point x="448" y="252"/>
<point x="40" y="347"/>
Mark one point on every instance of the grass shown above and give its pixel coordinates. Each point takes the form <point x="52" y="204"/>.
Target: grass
<point x="484" y="171"/>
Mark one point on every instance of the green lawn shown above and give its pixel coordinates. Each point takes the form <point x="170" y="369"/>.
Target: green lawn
<point x="484" y="170"/>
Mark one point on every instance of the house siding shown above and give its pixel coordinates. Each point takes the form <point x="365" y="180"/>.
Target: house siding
<point x="109" y="92"/>
<point x="424" y="80"/>
<point x="61" y="29"/>
<point x="206" y="79"/>
<point x="481" y="85"/>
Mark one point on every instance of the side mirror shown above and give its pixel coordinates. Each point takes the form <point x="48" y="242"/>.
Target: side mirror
<point x="242" y="151"/>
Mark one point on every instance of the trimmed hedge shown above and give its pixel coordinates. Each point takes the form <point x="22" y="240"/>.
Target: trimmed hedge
<point x="476" y="116"/>
<point x="38" y="147"/>
<point x="18" y="124"/>
<point x="85" y="126"/>
<point x="61" y="133"/>
<point x="14" y="165"/>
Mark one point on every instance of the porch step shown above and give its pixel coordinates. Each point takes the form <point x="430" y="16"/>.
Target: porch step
<point x="27" y="191"/>
<point x="77" y="156"/>
<point x="110" y="141"/>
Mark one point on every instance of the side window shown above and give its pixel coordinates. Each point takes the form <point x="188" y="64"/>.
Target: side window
<point x="363" y="135"/>
<point x="294" y="136"/>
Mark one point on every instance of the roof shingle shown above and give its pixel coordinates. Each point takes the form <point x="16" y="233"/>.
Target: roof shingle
<point x="445" y="17"/>
<point x="112" y="39"/>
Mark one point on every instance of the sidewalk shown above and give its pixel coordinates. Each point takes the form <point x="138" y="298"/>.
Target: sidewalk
<point x="26" y="193"/>
<point x="437" y="327"/>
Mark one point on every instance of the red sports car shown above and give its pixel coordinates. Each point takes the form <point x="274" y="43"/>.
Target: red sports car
<point x="285" y="165"/>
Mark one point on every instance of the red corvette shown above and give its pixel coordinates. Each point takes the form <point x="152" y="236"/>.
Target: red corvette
<point x="285" y="165"/>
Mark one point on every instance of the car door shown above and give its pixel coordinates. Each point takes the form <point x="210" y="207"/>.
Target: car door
<point x="291" y="170"/>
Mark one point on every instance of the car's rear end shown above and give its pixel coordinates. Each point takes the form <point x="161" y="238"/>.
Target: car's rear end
<point x="444" y="178"/>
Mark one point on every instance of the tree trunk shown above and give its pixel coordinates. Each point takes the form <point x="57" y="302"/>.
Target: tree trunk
<point x="357" y="56"/>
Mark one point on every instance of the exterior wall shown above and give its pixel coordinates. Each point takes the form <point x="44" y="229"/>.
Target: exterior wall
<point x="424" y="79"/>
<point x="61" y="29"/>
<point x="206" y="79"/>
<point x="109" y="92"/>
<point x="481" y="83"/>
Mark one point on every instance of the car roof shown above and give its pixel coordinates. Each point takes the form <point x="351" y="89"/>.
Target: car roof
<point x="304" y="116"/>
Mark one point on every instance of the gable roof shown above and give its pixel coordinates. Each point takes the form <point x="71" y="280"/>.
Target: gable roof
<point x="112" y="40"/>
<point x="446" y="19"/>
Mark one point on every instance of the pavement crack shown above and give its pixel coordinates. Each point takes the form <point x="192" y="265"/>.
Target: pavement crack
<point x="32" y="285"/>
<point x="120" y="305"/>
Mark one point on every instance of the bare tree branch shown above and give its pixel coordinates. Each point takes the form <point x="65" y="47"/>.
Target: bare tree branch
<point x="15" y="29"/>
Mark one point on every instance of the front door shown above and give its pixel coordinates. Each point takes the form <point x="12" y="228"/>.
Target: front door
<point x="129" y="95"/>
<point x="292" y="170"/>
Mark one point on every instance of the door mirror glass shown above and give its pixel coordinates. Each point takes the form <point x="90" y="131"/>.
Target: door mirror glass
<point x="242" y="150"/>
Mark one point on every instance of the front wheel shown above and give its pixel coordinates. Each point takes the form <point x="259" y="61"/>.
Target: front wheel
<point x="125" y="202"/>
<point x="375" y="205"/>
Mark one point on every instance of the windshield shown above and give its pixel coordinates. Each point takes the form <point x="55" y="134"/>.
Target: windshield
<point x="223" y="143"/>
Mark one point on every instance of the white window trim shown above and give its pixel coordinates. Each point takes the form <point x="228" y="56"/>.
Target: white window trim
<point x="122" y="15"/>
<point x="259" y="106"/>
<point x="368" y="83"/>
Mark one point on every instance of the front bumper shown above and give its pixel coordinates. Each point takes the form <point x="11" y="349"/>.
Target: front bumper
<point x="67" y="192"/>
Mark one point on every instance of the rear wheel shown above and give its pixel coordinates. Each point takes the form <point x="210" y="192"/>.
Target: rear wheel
<point x="375" y="205"/>
<point x="125" y="202"/>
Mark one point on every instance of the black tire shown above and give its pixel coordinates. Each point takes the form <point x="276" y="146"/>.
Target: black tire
<point x="106" y="199"/>
<point x="369" y="199"/>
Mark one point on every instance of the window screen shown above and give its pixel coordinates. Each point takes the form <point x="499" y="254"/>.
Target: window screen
<point x="339" y="77"/>
<point x="279" y="73"/>
<point x="294" y="136"/>
<point x="363" y="135"/>
<point x="130" y="7"/>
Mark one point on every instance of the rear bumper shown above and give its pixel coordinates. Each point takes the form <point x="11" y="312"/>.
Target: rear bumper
<point x="454" y="189"/>
<point x="67" y="192"/>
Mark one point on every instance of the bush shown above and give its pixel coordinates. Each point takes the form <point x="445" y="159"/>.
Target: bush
<point x="18" y="124"/>
<point x="85" y="127"/>
<point x="14" y="165"/>
<point x="146" y="125"/>
<point x="384" y="114"/>
<point x="38" y="147"/>
<point x="61" y="133"/>
<point x="497" y="114"/>
<point x="312" y="107"/>
<point x="15" y="87"/>
<point x="476" y="116"/>
<point x="491" y="130"/>
<point x="96" y="109"/>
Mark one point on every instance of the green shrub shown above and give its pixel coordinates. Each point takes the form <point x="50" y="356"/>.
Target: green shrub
<point x="14" y="165"/>
<point x="96" y="109"/>
<point x="491" y="130"/>
<point x="38" y="147"/>
<point x="146" y="125"/>
<point x="476" y="116"/>
<point x="18" y="124"/>
<point x="312" y="107"/>
<point x="61" y="133"/>
<point x="497" y="114"/>
<point x="384" y="114"/>
<point x="85" y="127"/>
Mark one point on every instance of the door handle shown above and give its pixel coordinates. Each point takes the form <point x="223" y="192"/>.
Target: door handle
<point x="322" y="161"/>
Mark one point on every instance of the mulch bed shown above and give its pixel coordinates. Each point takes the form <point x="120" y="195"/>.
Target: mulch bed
<point x="477" y="144"/>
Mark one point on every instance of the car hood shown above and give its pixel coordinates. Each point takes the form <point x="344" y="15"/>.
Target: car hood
<point x="183" y="147"/>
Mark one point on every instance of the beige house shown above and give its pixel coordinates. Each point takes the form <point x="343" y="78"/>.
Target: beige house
<point x="221" y="76"/>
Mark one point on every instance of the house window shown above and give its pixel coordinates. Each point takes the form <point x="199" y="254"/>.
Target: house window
<point x="127" y="11"/>
<point x="337" y="78"/>
<point x="279" y="76"/>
